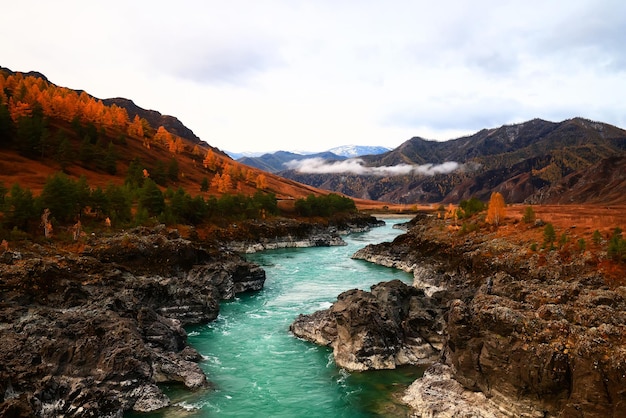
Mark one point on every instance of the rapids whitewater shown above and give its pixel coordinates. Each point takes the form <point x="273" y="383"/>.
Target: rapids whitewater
<point x="260" y="370"/>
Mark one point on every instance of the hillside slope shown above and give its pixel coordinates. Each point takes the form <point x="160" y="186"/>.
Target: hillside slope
<point x="518" y="161"/>
<point x="45" y="129"/>
<point x="603" y="183"/>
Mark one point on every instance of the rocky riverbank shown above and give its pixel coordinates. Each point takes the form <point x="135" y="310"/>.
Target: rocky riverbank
<point x="92" y="328"/>
<point x="92" y="333"/>
<point x="257" y="235"/>
<point x="533" y="333"/>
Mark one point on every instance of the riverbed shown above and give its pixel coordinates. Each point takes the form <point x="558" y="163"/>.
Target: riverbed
<point x="260" y="370"/>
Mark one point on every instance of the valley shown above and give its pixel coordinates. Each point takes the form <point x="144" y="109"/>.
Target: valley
<point x="119" y="227"/>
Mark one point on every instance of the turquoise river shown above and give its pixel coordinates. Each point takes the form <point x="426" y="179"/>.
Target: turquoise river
<point x="259" y="369"/>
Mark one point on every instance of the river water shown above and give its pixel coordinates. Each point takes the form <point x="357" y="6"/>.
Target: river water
<point x="260" y="370"/>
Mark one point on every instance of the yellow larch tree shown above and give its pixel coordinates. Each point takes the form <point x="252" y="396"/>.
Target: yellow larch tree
<point x="261" y="181"/>
<point x="162" y="136"/>
<point x="226" y="184"/>
<point x="210" y="161"/>
<point x="136" y="127"/>
<point x="497" y="209"/>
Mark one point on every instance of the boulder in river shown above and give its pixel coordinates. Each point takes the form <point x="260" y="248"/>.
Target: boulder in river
<point x="394" y="324"/>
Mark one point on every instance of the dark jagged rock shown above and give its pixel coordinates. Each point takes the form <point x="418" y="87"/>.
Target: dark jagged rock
<point x="538" y="335"/>
<point x="392" y="325"/>
<point x="253" y="236"/>
<point x="92" y="334"/>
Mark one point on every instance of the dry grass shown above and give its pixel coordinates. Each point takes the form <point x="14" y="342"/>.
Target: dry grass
<point x="577" y="221"/>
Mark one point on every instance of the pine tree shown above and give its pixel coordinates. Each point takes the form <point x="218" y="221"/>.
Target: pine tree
<point x="65" y="153"/>
<point x="6" y="124"/>
<point x="210" y="161"/>
<point x="549" y="234"/>
<point x="172" y="169"/>
<point x="204" y="186"/>
<point x="134" y="175"/>
<point x="110" y="159"/>
<point x="151" y="198"/>
<point x="19" y="208"/>
<point x="216" y="181"/>
<point x="529" y="215"/>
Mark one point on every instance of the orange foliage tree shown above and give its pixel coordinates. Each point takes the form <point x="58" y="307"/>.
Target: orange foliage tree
<point x="27" y="92"/>
<point x="226" y="184"/>
<point x="136" y="127"/>
<point x="210" y="161"/>
<point x="162" y="136"/>
<point x="261" y="181"/>
<point x="497" y="209"/>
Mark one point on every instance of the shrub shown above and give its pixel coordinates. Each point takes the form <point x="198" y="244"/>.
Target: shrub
<point x="529" y="215"/>
<point x="468" y="227"/>
<point x="596" y="237"/>
<point x="471" y="206"/>
<point x="617" y="246"/>
<point x="324" y="205"/>
<point x="549" y="236"/>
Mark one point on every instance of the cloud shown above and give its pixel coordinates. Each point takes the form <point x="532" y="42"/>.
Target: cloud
<point x="227" y="65"/>
<point x="255" y="75"/>
<point x="462" y="113"/>
<point x="356" y="166"/>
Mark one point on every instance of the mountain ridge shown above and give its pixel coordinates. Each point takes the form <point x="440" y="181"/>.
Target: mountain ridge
<point x="83" y="126"/>
<point x="275" y="161"/>
<point x="517" y="160"/>
<point x="522" y="161"/>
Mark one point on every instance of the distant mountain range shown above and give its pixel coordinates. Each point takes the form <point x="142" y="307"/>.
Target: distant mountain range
<point x="352" y="151"/>
<point x="275" y="162"/>
<point x="572" y="161"/>
<point x="538" y="161"/>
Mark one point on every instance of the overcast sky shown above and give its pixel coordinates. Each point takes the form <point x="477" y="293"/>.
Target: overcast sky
<point x="261" y="75"/>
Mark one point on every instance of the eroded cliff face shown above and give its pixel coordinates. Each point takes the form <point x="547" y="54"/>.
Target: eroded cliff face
<point x="92" y="334"/>
<point x="536" y="333"/>
<point x="260" y="235"/>
<point x="394" y="324"/>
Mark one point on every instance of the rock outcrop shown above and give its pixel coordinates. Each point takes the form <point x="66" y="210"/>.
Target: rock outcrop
<point x="540" y="334"/>
<point x="438" y="395"/>
<point x="254" y="236"/>
<point x="394" y="324"/>
<point x="93" y="333"/>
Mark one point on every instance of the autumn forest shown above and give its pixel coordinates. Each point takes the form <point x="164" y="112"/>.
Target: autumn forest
<point x="117" y="169"/>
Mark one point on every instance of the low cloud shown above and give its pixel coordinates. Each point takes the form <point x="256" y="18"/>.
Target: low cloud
<point x="357" y="166"/>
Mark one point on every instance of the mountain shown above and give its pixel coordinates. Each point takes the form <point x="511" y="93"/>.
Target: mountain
<point x="603" y="183"/>
<point x="46" y="129"/>
<point x="238" y="155"/>
<point x="275" y="162"/>
<point x="353" y="151"/>
<point x="520" y="161"/>
<point x="156" y="119"/>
